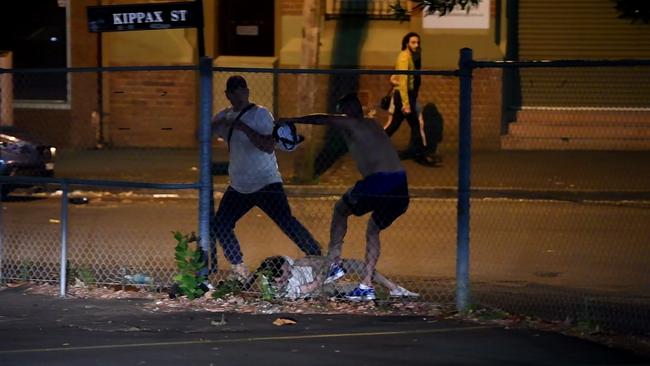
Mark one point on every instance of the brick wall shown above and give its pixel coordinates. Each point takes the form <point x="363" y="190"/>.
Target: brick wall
<point x="85" y="86"/>
<point x="291" y="7"/>
<point x="62" y="126"/>
<point x="486" y="109"/>
<point x="153" y="109"/>
<point x="50" y="126"/>
<point x="159" y="109"/>
<point x="441" y="91"/>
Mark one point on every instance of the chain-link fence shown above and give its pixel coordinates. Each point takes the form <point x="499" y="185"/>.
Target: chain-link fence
<point x="557" y="233"/>
<point x="110" y="238"/>
<point x="565" y="235"/>
<point x="128" y="234"/>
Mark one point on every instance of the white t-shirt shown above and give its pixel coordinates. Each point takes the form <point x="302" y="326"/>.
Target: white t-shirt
<point x="300" y="275"/>
<point x="250" y="169"/>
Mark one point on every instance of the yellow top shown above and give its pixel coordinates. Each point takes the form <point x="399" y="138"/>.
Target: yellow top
<point x="405" y="82"/>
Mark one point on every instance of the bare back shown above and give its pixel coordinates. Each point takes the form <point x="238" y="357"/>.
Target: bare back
<point x="370" y="147"/>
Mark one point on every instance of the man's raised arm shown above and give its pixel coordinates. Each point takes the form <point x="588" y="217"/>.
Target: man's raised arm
<point x="338" y="120"/>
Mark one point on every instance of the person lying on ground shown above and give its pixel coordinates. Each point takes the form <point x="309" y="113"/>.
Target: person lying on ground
<point x="308" y="277"/>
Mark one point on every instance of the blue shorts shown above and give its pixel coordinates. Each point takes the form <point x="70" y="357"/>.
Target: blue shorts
<point x="386" y="195"/>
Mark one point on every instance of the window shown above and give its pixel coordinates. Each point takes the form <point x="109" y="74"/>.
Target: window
<point x="35" y="31"/>
<point x="371" y="9"/>
<point x="246" y="30"/>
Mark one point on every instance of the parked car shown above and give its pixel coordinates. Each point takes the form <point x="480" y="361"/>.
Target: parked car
<point x="23" y="155"/>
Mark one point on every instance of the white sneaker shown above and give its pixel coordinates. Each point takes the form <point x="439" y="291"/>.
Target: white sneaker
<point x="400" y="291"/>
<point x="336" y="272"/>
<point x="362" y="293"/>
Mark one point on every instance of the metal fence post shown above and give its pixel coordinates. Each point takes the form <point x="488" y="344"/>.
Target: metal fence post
<point x="1" y="239"/>
<point x="464" y="174"/>
<point x="205" y="139"/>
<point x="64" y="239"/>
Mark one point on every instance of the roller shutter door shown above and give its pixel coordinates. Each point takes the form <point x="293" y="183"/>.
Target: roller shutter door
<point x="582" y="29"/>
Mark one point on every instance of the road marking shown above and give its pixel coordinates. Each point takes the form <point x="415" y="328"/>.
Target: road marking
<point x="250" y="339"/>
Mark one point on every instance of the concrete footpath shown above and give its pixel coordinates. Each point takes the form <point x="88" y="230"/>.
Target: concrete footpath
<point x="615" y="175"/>
<point x="39" y="330"/>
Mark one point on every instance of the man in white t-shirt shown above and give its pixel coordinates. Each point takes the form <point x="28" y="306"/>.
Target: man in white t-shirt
<point x="254" y="176"/>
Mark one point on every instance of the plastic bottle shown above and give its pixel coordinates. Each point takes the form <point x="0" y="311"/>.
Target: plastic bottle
<point x="139" y="279"/>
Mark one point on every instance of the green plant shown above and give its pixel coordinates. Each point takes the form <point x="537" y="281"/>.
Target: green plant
<point x="429" y="7"/>
<point x="382" y="294"/>
<point x="85" y="275"/>
<point x="25" y="269"/>
<point x="189" y="262"/>
<point x="586" y="322"/>
<point x="588" y="326"/>
<point x="227" y="287"/>
<point x="491" y="314"/>
<point x="268" y="292"/>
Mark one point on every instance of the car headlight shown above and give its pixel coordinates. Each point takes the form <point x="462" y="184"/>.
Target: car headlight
<point x="53" y="152"/>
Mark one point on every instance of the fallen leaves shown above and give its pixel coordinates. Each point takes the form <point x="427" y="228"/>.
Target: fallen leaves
<point x="244" y="302"/>
<point x="284" y="321"/>
<point x="251" y="303"/>
<point x="85" y="292"/>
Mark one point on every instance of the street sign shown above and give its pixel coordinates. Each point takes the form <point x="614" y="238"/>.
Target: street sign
<point x="133" y="17"/>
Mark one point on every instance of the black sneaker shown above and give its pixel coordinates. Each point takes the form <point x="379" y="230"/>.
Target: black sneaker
<point x="427" y="160"/>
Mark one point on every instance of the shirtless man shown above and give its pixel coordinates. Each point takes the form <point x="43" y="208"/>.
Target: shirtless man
<point x="382" y="191"/>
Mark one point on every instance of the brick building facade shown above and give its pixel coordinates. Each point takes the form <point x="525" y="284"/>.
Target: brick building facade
<point x="160" y="108"/>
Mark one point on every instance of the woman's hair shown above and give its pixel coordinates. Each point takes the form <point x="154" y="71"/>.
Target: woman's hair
<point x="417" y="58"/>
<point x="270" y="266"/>
<point x="407" y="37"/>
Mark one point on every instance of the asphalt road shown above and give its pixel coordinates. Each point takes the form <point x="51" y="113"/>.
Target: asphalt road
<point x="39" y="330"/>
<point x="600" y="246"/>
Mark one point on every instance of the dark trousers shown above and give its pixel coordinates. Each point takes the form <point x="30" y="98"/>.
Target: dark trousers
<point x="273" y="201"/>
<point x="416" y="145"/>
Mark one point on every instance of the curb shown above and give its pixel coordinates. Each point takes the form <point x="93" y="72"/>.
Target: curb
<point x="306" y="191"/>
